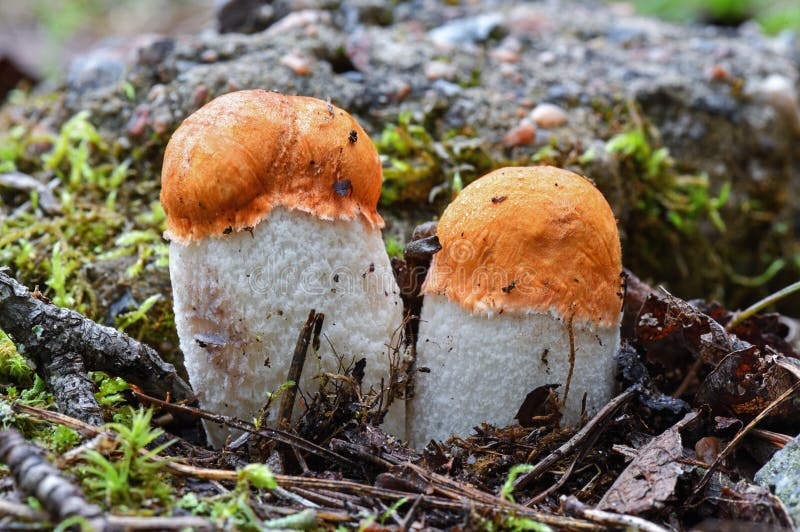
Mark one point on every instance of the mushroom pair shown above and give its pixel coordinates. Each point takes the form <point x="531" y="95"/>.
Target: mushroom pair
<point x="271" y="209"/>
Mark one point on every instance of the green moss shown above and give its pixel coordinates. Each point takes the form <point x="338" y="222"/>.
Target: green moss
<point x="684" y="201"/>
<point x="394" y="247"/>
<point x="14" y="370"/>
<point x="107" y="215"/>
<point x="418" y="166"/>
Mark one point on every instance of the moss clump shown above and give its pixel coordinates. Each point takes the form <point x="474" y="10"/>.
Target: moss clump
<point x="417" y="167"/>
<point x="98" y="238"/>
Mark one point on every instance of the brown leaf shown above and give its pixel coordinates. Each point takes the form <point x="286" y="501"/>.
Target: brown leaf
<point x="541" y="402"/>
<point x="744" y="383"/>
<point x="651" y="477"/>
<point x="665" y="318"/>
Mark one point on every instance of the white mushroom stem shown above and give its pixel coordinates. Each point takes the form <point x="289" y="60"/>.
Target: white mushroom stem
<point x="241" y="298"/>
<point x="475" y="368"/>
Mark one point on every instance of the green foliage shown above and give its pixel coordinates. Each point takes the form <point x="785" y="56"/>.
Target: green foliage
<point x="12" y="147"/>
<point x="773" y="15"/>
<point x="514" y="523"/>
<point x="257" y="475"/>
<point x="76" y="522"/>
<point x="13" y="367"/>
<point x="109" y="389"/>
<point x="396" y="505"/>
<point x="394" y="248"/>
<point x="417" y="166"/>
<point x="129" y="318"/>
<point x="59" y="270"/>
<point x="103" y="217"/>
<point x="660" y="191"/>
<point x="36" y="395"/>
<point x="507" y="490"/>
<point x="63" y="439"/>
<point x="135" y="475"/>
<point x="233" y="510"/>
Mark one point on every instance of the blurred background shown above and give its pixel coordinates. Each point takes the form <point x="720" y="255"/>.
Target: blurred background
<point x="38" y="38"/>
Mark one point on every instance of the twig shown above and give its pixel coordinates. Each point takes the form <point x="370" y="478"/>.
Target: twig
<point x="741" y="434"/>
<point x="265" y="432"/>
<point x="594" y="424"/>
<point x="573" y="506"/>
<point x="22" y="511"/>
<point x="116" y="522"/>
<point x="739" y="317"/>
<point x="38" y="477"/>
<point x="687" y="379"/>
<point x="313" y="324"/>
<point x="411" y="514"/>
<point x="561" y="481"/>
<point x="123" y="522"/>
<point x="66" y="344"/>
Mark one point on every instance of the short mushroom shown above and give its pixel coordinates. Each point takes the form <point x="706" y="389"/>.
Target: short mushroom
<point x="526" y="292"/>
<point x="271" y="212"/>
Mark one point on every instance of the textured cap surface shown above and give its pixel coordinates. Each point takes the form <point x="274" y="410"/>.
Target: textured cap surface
<point x="530" y="239"/>
<point x="245" y="152"/>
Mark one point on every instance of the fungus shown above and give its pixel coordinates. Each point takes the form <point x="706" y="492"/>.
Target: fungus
<point x="271" y="212"/>
<point x="525" y="293"/>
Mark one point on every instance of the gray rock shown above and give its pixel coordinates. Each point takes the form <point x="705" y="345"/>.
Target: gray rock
<point x="782" y="475"/>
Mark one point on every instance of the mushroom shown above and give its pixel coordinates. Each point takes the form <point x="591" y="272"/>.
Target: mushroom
<point x="271" y="212"/>
<point x="526" y="292"/>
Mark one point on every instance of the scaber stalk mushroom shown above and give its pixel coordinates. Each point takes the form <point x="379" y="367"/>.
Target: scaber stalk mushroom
<point x="271" y="212"/>
<point x="525" y="292"/>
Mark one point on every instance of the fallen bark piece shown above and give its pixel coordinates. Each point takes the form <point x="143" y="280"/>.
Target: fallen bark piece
<point x="651" y="478"/>
<point x="63" y="345"/>
<point x="37" y="477"/>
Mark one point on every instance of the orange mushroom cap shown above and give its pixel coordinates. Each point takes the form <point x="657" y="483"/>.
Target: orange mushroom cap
<point x="244" y="153"/>
<point x="530" y="239"/>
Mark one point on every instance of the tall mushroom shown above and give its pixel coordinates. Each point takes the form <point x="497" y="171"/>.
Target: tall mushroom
<point x="271" y="212"/>
<point x="525" y="292"/>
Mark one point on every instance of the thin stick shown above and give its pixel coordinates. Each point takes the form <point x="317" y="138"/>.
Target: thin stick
<point x="264" y="432"/>
<point x="561" y="481"/>
<point x="122" y="522"/>
<point x="687" y="379"/>
<point x="573" y="506"/>
<point x="22" y="511"/>
<point x="741" y="434"/>
<point x="296" y="368"/>
<point x="596" y="423"/>
<point x="739" y="317"/>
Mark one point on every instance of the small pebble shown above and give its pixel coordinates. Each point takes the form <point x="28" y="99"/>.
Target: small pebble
<point x="209" y="56"/>
<point x="707" y="449"/>
<point x="440" y="70"/>
<point x="548" y="115"/>
<point x="505" y="55"/>
<point x="138" y="120"/>
<point x="297" y="63"/>
<point x="523" y="134"/>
